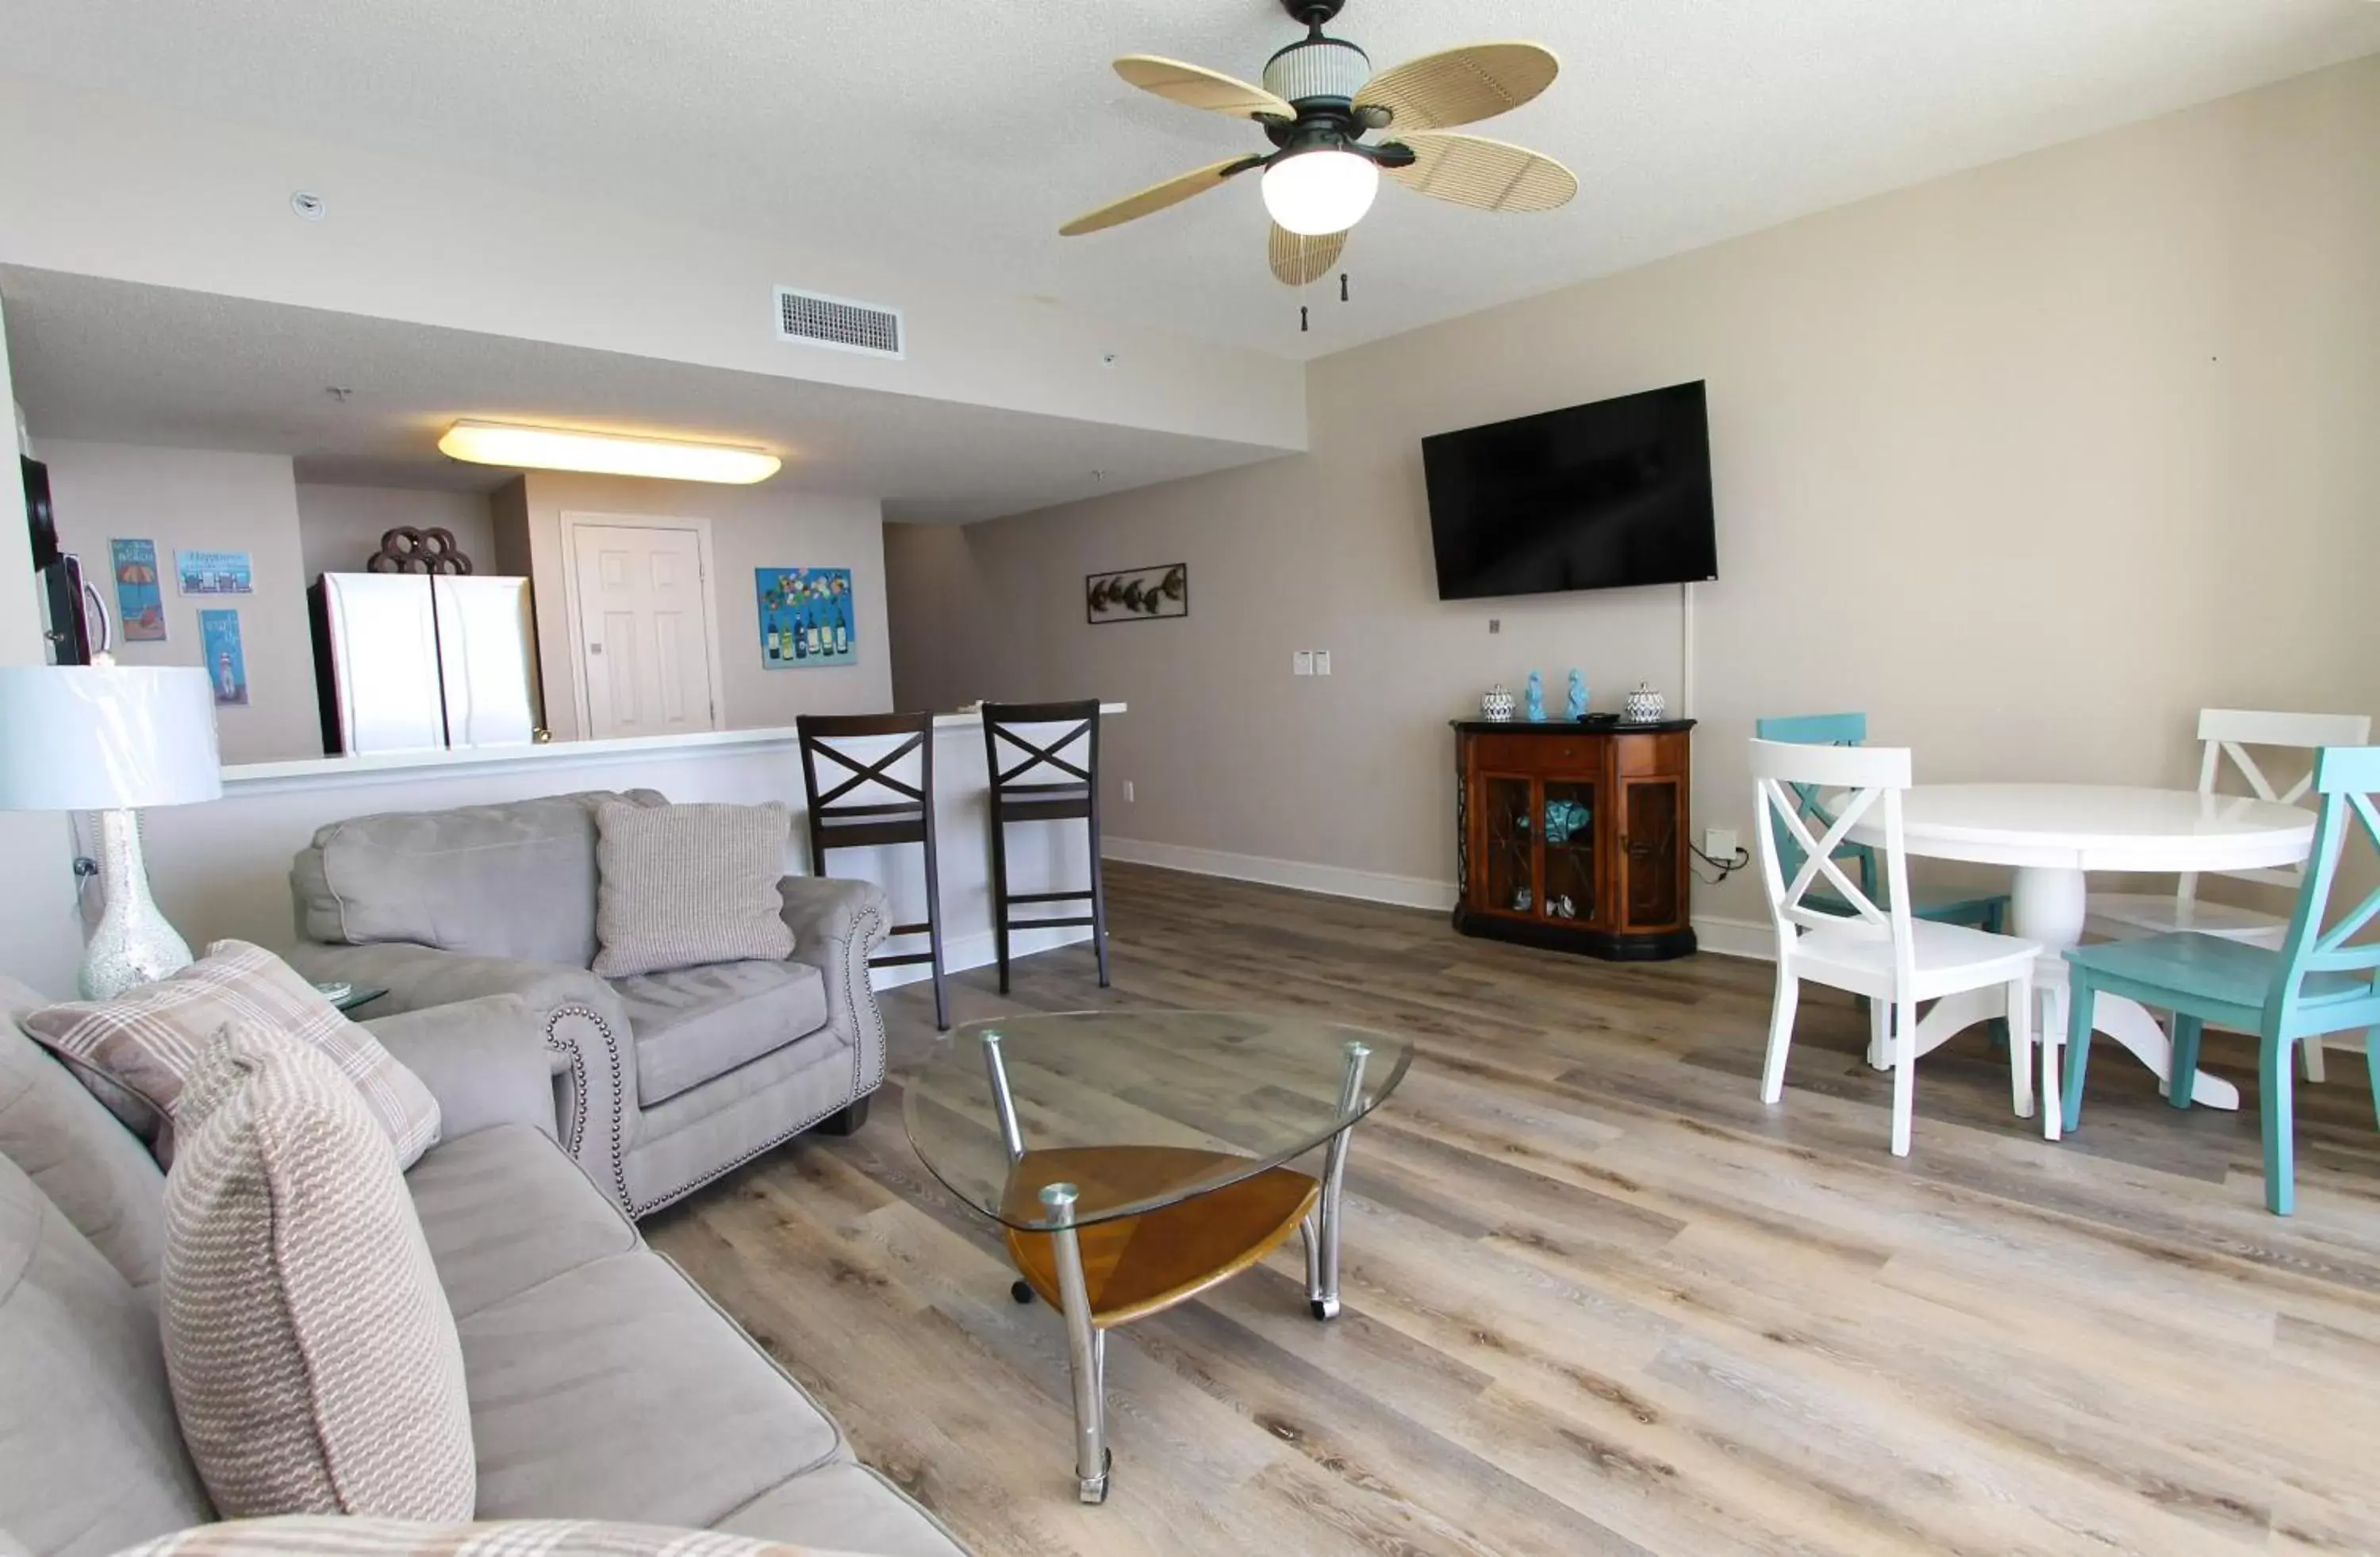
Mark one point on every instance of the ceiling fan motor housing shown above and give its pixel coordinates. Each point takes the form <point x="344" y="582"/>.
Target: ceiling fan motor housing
<point x="1327" y="69"/>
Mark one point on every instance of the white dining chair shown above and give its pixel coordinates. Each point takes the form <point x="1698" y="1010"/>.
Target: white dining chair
<point x="2228" y="733"/>
<point x="1880" y="952"/>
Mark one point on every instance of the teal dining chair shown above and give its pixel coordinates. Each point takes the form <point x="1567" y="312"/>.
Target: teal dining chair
<point x="2316" y="983"/>
<point x="1981" y="910"/>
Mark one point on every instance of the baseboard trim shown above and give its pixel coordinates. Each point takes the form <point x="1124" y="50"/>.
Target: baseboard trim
<point x="1736" y="938"/>
<point x="979" y="950"/>
<point x="1331" y="881"/>
<point x="1726" y="937"/>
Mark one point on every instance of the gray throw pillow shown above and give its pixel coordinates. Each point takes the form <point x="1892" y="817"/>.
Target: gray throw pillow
<point x="145" y="1041"/>
<point x="683" y="886"/>
<point x="313" y="1357"/>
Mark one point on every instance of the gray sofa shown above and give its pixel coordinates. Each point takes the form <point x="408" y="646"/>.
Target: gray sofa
<point x="603" y="1384"/>
<point x="664" y="1082"/>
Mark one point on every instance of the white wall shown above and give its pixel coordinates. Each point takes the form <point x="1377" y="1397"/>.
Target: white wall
<point x="200" y="500"/>
<point x="2029" y="463"/>
<point x="751" y="528"/>
<point x="41" y="938"/>
<point x="222" y="867"/>
<point x="339" y="526"/>
<point x="203" y="204"/>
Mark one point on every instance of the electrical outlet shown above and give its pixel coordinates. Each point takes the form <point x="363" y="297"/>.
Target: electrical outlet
<point x="1302" y="662"/>
<point x="1495" y="625"/>
<point x="1719" y="841"/>
<point x="1127" y="792"/>
<point x="1322" y="661"/>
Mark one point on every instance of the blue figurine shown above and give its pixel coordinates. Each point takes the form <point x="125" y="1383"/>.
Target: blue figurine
<point x="1535" y="702"/>
<point x="1577" y="696"/>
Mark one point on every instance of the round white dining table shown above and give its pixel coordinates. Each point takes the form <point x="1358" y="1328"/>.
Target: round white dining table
<point x="2053" y="835"/>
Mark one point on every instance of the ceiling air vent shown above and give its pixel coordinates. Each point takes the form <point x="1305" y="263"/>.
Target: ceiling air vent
<point x="814" y="319"/>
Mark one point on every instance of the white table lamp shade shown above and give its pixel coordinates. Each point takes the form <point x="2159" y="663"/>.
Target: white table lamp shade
<point x="107" y="737"/>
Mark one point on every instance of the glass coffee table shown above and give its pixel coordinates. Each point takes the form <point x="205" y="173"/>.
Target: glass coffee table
<point x="1137" y="1157"/>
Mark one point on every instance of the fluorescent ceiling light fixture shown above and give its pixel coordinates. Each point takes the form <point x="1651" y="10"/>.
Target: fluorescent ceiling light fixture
<point x="606" y="454"/>
<point x="1314" y="193"/>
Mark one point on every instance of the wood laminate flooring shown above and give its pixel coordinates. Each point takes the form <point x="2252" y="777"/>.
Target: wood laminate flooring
<point x="1599" y="1299"/>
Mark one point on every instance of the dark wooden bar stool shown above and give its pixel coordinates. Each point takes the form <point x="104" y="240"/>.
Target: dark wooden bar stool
<point x="1055" y="778"/>
<point x="890" y="809"/>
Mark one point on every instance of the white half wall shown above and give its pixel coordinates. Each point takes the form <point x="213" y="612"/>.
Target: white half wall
<point x="222" y="868"/>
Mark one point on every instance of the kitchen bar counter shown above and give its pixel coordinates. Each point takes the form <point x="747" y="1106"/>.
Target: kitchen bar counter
<point x="221" y="868"/>
<point x="316" y="773"/>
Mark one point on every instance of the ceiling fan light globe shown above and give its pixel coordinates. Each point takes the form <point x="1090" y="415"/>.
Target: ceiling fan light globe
<point x="1322" y="192"/>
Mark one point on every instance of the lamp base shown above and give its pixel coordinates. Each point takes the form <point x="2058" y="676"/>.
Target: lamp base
<point x="132" y="944"/>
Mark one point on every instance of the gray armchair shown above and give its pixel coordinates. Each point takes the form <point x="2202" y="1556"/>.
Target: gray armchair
<point x="661" y="1082"/>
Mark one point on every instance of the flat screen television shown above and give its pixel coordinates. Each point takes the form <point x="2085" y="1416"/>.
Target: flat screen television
<point x="1599" y="497"/>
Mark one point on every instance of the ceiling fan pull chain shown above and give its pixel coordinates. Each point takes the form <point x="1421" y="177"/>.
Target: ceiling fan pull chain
<point x="1301" y="319"/>
<point x="1343" y="286"/>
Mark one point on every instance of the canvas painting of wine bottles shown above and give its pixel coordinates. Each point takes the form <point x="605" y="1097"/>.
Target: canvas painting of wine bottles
<point x="807" y="618"/>
<point x="1139" y="594"/>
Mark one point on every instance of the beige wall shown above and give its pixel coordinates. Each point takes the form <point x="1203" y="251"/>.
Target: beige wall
<point x="750" y="528"/>
<point x="2029" y="463"/>
<point x="939" y="662"/>
<point x="339" y="526"/>
<point x="41" y="938"/>
<point x="191" y="499"/>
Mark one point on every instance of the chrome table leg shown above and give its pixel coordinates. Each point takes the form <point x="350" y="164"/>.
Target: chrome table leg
<point x="1322" y="1252"/>
<point x="1085" y="1347"/>
<point x="1311" y="1235"/>
<point x="1003" y="1101"/>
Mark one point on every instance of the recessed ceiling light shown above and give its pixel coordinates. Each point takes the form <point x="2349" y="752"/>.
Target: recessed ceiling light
<point x="606" y="454"/>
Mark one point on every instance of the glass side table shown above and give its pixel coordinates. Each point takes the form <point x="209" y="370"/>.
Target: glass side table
<point x="346" y="997"/>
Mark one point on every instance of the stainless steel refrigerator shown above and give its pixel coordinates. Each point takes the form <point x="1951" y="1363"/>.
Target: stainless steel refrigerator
<point x="412" y="662"/>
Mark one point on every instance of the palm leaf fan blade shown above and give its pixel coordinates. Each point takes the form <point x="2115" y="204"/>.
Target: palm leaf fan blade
<point x="1485" y="174"/>
<point x="1157" y="197"/>
<point x="1298" y="260"/>
<point x="1195" y="86"/>
<point x="1461" y="86"/>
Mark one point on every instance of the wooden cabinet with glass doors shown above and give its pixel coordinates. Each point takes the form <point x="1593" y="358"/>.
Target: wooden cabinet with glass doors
<point x="1574" y="836"/>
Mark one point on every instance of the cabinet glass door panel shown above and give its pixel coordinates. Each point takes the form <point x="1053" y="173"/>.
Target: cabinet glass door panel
<point x="1654" y="876"/>
<point x="1567" y="820"/>
<point x="1507" y="879"/>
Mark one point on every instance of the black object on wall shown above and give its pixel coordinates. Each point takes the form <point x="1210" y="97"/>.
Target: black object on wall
<point x="1594" y="497"/>
<point x="62" y="593"/>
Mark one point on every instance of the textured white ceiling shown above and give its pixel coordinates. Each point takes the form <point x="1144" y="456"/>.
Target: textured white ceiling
<point x="117" y="361"/>
<point x="954" y="136"/>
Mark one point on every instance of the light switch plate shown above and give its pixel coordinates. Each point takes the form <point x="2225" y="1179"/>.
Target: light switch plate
<point x="1127" y="792"/>
<point x="1322" y="661"/>
<point x="1302" y="663"/>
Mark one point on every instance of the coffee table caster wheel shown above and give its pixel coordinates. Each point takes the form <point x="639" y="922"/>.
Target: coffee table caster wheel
<point x="1096" y="1490"/>
<point x="1021" y="1291"/>
<point x="1324" y="1308"/>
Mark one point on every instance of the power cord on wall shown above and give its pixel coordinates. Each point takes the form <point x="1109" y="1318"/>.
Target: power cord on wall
<point x="1725" y="867"/>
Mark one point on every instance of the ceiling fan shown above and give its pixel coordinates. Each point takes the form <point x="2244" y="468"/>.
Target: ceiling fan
<point x="1318" y="100"/>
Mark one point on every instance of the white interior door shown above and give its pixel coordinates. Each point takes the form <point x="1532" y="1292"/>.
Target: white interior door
<point x="644" y="629"/>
